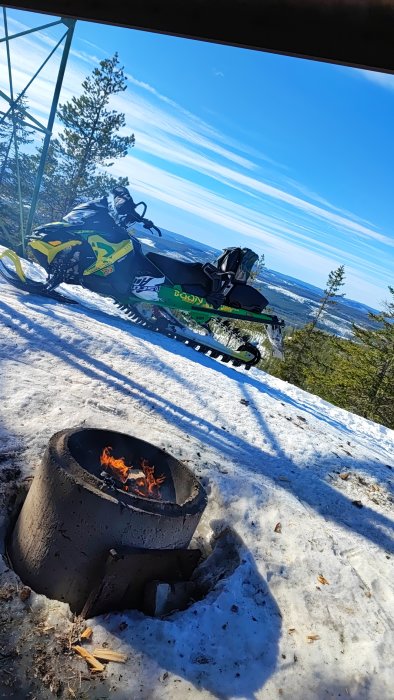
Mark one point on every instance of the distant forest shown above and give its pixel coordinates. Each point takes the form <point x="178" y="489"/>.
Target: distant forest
<point x="356" y="374"/>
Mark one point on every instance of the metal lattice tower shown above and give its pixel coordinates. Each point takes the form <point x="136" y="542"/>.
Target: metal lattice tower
<point x="19" y="116"/>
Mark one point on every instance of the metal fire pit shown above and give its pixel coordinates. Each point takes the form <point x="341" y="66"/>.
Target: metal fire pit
<point x="71" y="518"/>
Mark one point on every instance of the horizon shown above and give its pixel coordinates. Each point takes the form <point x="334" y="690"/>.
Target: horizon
<point x="288" y="156"/>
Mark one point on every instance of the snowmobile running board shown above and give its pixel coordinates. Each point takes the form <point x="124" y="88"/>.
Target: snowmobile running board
<point x="265" y="319"/>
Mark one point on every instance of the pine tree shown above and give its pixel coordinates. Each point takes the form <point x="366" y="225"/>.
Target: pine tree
<point x="307" y="348"/>
<point x="7" y="145"/>
<point x="375" y="365"/>
<point x="356" y="374"/>
<point x="89" y="142"/>
<point x="336" y="280"/>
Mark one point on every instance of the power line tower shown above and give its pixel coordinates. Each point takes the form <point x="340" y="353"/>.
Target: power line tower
<point x="19" y="117"/>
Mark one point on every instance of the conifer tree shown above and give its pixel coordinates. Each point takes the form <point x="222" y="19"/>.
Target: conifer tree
<point x="336" y="280"/>
<point x="304" y="349"/>
<point x="375" y="365"/>
<point x="88" y="144"/>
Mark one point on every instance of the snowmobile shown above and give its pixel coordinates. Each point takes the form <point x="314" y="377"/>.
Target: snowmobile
<point x="89" y="249"/>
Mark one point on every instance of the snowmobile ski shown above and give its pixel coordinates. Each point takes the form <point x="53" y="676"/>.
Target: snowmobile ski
<point x="27" y="285"/>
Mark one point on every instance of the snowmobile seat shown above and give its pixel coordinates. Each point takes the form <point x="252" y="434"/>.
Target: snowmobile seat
<point x="243" y="296"/>
<point x="179" y="272"/>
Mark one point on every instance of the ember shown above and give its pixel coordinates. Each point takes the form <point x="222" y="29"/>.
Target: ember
<point x="141" y="481"/>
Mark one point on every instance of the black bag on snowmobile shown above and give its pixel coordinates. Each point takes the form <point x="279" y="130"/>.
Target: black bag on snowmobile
<point x="230" y="277"/>
<point x="240" y="261"/>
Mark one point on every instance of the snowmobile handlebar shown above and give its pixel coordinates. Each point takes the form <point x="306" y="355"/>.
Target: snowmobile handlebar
<point x="145" y="208"/>
<point x="140" y="218"/>
<point x="150" y="225"/>
<point x="147" y="223"/>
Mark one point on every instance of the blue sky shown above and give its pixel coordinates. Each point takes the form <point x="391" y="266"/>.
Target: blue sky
<point x="235" y="147"/>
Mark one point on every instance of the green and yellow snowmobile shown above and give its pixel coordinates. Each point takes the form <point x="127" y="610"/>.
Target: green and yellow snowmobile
<point x="87" y="248"/>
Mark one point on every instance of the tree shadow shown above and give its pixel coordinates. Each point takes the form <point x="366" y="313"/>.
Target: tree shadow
<point x="226" y="643"/>
<point x="307" y="483"/>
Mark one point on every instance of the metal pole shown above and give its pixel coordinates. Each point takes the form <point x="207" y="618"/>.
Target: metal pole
<point x="18" y="178"/>
<point x="5" y="115"/>
<point x="44" y="152"/>
<point x="35" y="29"/>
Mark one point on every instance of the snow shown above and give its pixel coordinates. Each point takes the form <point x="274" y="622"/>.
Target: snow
<point x="340" y="326"/>
<point x="148" y="242"/>
<point x="274" y="458"/>
<point x="288" y="293"/>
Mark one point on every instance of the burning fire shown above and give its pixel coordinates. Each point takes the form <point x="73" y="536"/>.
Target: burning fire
<point x="139" y="481"/>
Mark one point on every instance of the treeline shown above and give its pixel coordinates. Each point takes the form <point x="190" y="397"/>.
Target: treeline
<point x="356" y="373"/>
<point x="92" y="138"/>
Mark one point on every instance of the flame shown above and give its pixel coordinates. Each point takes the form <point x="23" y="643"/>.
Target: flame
<point x="118" y="467"/>
<point x="147" y="486"/>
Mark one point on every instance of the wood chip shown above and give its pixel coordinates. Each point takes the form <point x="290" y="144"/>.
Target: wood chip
<point x="323" y="580"/>
<point x="87" y="633"/>
<point x="24" y="593"/>
<point x="278" y="527"/>
<point x="312" y="637"/>
<point x="344" y="476"/>
<point x="108" y="655"/>
<point x="97" y="667"/>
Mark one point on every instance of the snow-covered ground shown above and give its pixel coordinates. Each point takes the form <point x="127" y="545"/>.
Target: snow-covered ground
<point x="270" y="454"/>
<point x="288" y="293"/>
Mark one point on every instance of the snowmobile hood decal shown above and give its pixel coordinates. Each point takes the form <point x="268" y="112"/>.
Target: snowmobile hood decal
<point x="147" y="287"/>
<point x="106" y="252"/>
<point x="50" y="250"/>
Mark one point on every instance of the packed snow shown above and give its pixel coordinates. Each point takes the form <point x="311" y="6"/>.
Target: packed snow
<point x="302" y="490"/>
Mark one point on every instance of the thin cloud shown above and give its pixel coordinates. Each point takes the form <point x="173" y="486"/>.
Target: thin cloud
<point x="384" y="80"/>
<point x="234" y="177"/>
<point x="198" y="124"/>
<point x="185" y="194"/>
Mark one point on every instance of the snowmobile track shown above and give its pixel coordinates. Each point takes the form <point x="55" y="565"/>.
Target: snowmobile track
<point x="137" y="318"/>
